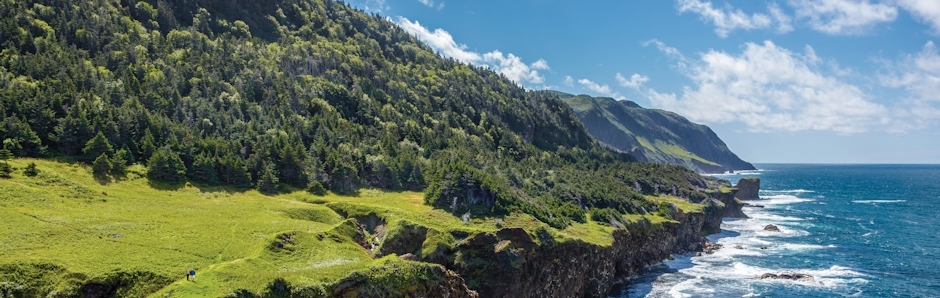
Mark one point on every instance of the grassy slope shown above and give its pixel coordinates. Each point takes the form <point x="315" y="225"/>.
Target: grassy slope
<point x="656" y="135"/>
<point x="94" y="229"/>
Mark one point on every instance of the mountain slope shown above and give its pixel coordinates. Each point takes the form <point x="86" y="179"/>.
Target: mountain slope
<point x="654" y="135"/>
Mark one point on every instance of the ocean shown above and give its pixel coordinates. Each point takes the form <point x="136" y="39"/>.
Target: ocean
<point x="859" y="230"/>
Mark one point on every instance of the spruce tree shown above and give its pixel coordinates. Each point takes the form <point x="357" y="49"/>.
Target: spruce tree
<point x="267" y="183"/>
<point x="165" y="165"/>
<point x="95" y="147"/>
<point x="5" y="169"/>
<point x="119" y="162"/>
<point x="203" y="170"/>
<point x="102" y="165"/>
<point x="31" y="170"/>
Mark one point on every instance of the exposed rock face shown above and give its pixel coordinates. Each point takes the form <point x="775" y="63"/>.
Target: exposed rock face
<point x="732" y="205"/>
<point x="511" y="263"/>
<point x="747" y="188"/>
<point x="788" y="276"/>
<point x="771" y="228"/>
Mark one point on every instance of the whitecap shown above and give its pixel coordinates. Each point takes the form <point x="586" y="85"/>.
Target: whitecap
<point x="877" y="201"/>
<point x="781" y="199"/>
<point x="800" y="190"/>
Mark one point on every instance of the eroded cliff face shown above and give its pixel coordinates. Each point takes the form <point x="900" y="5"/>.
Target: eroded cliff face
<point x="513" y="263"/>
<point x="748" y="188"/>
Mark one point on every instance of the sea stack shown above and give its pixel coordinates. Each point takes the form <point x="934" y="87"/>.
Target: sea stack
<point x="747" y="188"/>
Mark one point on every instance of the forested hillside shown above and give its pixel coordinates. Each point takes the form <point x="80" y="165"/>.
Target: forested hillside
<point x="280" y="95"/>
<point x="653" y="135"/>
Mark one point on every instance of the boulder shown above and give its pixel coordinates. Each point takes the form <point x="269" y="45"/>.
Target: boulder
<point x="788" y="276"/>
<point x="747" y="188"/>
<point x="771" y="228"/>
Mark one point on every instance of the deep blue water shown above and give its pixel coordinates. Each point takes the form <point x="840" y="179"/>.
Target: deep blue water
<point x="860" y="230"/>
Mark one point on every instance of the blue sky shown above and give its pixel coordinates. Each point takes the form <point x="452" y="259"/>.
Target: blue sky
<point x="790" y="81"/>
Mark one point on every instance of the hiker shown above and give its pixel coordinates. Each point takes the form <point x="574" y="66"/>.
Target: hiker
<point x="192" y="274"/>
<point x="187" y="274"/>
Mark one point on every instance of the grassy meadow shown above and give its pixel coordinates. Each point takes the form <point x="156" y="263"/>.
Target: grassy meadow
<point x="65" y="228"/>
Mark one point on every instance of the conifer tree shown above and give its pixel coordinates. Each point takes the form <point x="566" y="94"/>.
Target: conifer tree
<point x="31" y="170"/>
<point x="165" y="165"/>
<point x="5" y="169"/>
<point x="267" y="183"/>
<point x="102" y="165"/>
<point x="95" y="147"/>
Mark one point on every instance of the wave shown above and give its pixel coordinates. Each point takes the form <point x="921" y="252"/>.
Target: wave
<point x="877" y="201"/>
<point x="781" y="199"/>
<point x="800" y="190"/>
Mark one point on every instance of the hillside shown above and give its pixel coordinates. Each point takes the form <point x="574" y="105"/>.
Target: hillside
<point x="236" y="112"/>
<point x="654" y="135"/>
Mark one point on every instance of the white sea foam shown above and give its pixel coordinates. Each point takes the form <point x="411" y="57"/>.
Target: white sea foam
<point x="781" y="200"/>
<point x="787" y="191"/>
<point x="877" y="201"/>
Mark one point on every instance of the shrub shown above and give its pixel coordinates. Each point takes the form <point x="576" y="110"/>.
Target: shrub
<point x="316" y="188"/>
<point x="31" y="170"/>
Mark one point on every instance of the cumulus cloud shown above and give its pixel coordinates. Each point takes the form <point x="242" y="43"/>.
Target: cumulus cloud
<point x="770" y="88"/>
<point x="843" y="17"/>
<point x="601" y="89"/>
<point x="513" y="68"/>
<point x="635" y="81"/>
<point x="927" y="11"/>
<point x="509" y="65"/>
<point x="730" y="19"/>
<point x="919" y="74"/>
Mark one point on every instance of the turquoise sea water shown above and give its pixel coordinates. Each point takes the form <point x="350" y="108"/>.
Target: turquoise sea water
<point x="860" y="230"/>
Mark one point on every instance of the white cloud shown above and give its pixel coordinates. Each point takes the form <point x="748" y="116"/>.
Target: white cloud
<point x="925" y="10"/>
<point x="541" y="64"/>
<point x="569" y="81"/>
<point x="509" y="65"/>
<point x="601" y="89"/>
<point x="919" y="74"/>
<point x="730" y="19"/>
<point x="635" y="81"/>
<point x="431" y="4"/>
<point x="439" y="40"/>
<point x="374" y="5"/>
<point x="513" y="68"/>
<point x="770" y="88"/>
<point x="783" y="20"/>
<point x="849" y="17"/>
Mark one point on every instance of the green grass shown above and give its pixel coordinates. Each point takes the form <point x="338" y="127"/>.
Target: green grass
<point x="65" y="228"/>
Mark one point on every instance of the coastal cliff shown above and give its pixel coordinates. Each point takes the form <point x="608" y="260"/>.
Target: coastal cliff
<point x="747" y="188"/>
<point x="515" y="263"/>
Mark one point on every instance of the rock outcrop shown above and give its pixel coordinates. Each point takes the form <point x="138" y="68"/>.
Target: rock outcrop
<point x="771" y="228"/>
<point x="513" y="263"/>
<point x="748" y="188"/>
<point x="788" y="276"/>
<point x="732" y="205"/>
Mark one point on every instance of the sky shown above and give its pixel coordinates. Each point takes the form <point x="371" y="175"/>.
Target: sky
<point x="787" y="81"/>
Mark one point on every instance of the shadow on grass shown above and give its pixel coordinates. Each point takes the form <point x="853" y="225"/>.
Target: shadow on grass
<point x="163" y="185"/>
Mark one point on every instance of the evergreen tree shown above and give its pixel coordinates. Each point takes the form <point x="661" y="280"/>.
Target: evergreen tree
<point x="267" y="183"/>
<point x="291" y="167"/>
<point x="120" y="161"/>
<point x="101" y="165"/>
<point x="203" y="170"/>
<point x="165" y="165"/>
<point x="31" y="170"/>
<point x="233" y="171"/>
<point x="147" y="146"/>
<point x="5" y="169"/>
<point x="95" y="147"/>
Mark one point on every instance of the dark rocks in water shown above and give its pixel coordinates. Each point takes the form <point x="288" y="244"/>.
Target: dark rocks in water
<point x="763" y="247"/>
<point x="788" y="276"/>
<point x="747" y="188"/>
<point x="738" y="247"/>
<point x="771" y="228"/>
<point x="710" y="247"/>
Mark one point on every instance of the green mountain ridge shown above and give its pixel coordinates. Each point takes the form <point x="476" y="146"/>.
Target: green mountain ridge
<point x="654" y="135"/>
<point x="309" y="102"/>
